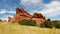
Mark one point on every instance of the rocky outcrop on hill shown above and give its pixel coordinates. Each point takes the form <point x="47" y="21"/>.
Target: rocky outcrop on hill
<point x="39" y="18"/>
<point x="38" y="15"/>
<point x="21" y="14"/>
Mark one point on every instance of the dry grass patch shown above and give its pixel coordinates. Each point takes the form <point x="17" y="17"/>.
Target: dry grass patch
<point x="10" y="28"/>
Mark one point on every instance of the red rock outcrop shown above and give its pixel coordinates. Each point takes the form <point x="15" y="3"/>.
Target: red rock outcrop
<point x="39" y="18"/>
<point x="38" y="15"/>
<point x="21" y="14"/>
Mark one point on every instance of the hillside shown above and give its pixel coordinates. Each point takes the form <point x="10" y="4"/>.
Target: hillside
<point x="10" y="28"/>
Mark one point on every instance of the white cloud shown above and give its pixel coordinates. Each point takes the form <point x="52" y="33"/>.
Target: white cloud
<point x="32" y="4"/>
<point x="28" y="2"/>
<point x="51" y="10"/>
<point x="4" y="16"/>
<point x="10" y="12"/>
<point x="2" y="11"/>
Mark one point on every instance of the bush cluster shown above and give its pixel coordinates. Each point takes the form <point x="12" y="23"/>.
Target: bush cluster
<point x="56" y="24"/>
<point x="50" y="24"/>
<point x="0" y="19"/>
<point x="46" y="24"/>
<point x="29" y="22"/>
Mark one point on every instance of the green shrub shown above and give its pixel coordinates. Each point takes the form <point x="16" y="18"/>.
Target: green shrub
<point x="50" y="24"/>
<point x="56" y="24"/>
<point x="0" y="19"/>
<point x="42" y="25"/>
<point x="46" y="24"/>
<point x="28" y="22"/>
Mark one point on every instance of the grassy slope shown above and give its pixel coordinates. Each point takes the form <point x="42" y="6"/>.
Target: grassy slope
<point x="20" y="29"/>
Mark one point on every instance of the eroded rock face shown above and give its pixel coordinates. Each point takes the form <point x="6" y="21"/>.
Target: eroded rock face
<point x="21" y="14"/>
<point x="38" y="21"/>
<point x="38" y="15"/>
<point x="39" y="18"/>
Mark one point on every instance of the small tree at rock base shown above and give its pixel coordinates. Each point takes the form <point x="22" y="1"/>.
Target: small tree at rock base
<point x="46" y="24"/>
<point x="0" y="19"/>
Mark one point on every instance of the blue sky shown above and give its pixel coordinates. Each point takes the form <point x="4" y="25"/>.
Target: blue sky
<point x="49" y="8"/>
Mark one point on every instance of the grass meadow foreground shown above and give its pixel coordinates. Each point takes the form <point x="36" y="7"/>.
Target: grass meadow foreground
<point x="11" y="28"/>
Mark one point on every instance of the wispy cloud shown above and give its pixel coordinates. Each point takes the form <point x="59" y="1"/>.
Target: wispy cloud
<point x="51" y="10"/>
<point x="32" y="4"/>
<point x="2" y="11"/>
<point x="28" y="2"/>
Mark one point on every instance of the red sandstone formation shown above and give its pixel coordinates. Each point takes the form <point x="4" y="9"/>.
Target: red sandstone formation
<point x="21" y="14"/>
<point x="38" y="15"/>
<point x="39" y="18"/>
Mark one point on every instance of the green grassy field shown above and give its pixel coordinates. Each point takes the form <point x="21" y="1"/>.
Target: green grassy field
<point x="10" y="28"/>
